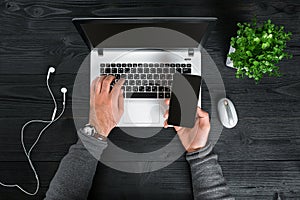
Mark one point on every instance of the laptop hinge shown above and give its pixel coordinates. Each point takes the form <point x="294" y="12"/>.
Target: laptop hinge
<point x="191" y="52"/>
<point x="100" y="52"/>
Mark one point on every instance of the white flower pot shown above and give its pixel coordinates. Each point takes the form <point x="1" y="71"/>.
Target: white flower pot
<point x="229" y="62"/>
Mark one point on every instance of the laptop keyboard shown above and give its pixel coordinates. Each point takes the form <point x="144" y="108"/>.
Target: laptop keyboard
<point x="145" y="80"/>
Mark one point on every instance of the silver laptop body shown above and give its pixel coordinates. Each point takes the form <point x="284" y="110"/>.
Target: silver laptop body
<point x="144" y="107"/>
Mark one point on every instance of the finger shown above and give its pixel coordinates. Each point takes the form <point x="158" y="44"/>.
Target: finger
<point x="106" y="84"/>
<point x="121" y="101"/>
<point x="201" y="113"/>
<point x="166" y="115"/>
<point x="165" y="124"/>
<point x="92" y="88"/>
<point x="167" y="101"/>
<point x="117" y="88"/>
<point x="99" y="84"/>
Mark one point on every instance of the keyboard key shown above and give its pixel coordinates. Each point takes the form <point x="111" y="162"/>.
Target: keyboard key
<point x="154" y="88"/>
<point x="143" y="76"/>
<point x="146" y="70"/>
<point x="129" y="65"/>
<point x="130" y="76"/>
<point x="186" y="70"/>
<point x="172" y="65"/>
<point x="131" y="82"/>
<point x="126" y="82"/>
<point x="166" y="70"/>
<point x="151" y="65"/>
<point x="159" y="70"/>
<point x="144" y="82"/>
<point x="135" y="88"/>
<point x="124" y="65"/>
<point x="156" y="65"/>
<point x="114" y="70"/>
<point x="107" y="70"/>
<point x="169" y="76"/>
<point x="145" y="65"/>
<point x="172" y="70"/>
<point x="133" y="70"/>
<point x="102" y="70"/>
<point x="170" y="82"/>
<point x="136" y="76"/>
<point x="149" y="76"/>
<point x="138" y="82"/>
<point x="162" y="76"/>
<point x="183" y="65"/>
<point x="140" y="65"/>
<point x="178" y="70"/>
<point x="167" y="95"/>
<point x="148" y="88"/>
<point x="120" y="70"/>
<point x="164" y="82"/>
<point x="177" y="65"/>
<point x="151" y="82"/>
<point x="157" y="82"/>
<point x="112" y="64"/>
<point x="102" y="65"/>
<point x="134" y="65"/>
<point x="117" y="76"/>
<point x="161" y="95"/>
<point x="162" y="65"/>
<point x="124" y="76"/>
<point x="127" y="70"/>
<point x="167" y="89"/>
<point x="128" y="88"/>
<point x="119" y="65"/>
<point x="156" y="76"/>
<point x="167" y="65"/>
<point x="189" y="65"/>
<point x="161" y="88"/>
<point x="153" y="70"/>
<point x="141" y="95"/>
<point x="141" y="88"/>
<point x="140" y="70"/>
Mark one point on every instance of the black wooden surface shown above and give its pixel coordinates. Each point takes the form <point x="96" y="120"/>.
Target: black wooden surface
<point x="259" y="157"/>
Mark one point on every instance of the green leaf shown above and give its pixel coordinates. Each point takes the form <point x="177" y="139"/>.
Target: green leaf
<point x="249" y="53"/>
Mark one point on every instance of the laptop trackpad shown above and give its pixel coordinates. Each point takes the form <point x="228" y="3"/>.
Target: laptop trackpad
<point x="140" y="111"/>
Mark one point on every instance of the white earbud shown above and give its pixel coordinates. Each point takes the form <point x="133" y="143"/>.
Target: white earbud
<point x="64" y="91"/>
<point x="51" y="70"/>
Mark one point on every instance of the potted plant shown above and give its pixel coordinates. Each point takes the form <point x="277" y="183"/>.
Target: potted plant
<point x="257" y="49"/>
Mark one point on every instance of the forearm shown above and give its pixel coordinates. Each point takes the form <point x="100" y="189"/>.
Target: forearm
<point x="207" y="177"/>
<point x="74" y="176"/>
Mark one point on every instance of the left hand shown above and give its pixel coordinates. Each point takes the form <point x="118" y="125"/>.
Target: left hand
<point x="194" y="138"/>
<point x="106" y="107"/>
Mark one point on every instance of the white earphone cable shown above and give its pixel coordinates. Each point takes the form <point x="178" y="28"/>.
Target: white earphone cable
<point x="28" y="153"/>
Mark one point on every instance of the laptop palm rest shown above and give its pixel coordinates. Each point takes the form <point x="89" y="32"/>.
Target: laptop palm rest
<point x="141" y="112"/>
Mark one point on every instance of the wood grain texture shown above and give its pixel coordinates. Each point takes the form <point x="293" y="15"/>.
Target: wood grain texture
<point x="259" y="157"/>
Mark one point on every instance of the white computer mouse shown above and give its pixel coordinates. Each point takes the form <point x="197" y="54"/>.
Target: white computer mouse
<point x="227" y="113"/>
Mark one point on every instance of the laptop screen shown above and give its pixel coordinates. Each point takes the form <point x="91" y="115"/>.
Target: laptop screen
<point x="141" y="33"/>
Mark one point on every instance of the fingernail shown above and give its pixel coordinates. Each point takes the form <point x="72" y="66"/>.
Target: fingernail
<point x="122" y="91"/>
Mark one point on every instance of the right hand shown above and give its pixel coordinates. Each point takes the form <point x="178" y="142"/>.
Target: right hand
<point x="106" y="107"/>
<point x="194" y="138"/>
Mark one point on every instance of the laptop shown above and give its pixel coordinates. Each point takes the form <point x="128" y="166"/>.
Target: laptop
<point x="146" y="51"/>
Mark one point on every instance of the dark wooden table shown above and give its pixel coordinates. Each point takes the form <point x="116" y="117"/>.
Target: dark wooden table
<point x="260" y="157"/>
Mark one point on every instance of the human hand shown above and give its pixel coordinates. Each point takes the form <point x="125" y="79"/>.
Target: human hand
<point x="192" y="138"/>
<point x="106" y="107"/>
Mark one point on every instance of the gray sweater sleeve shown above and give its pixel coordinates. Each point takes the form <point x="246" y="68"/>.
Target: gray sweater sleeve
<point x="207" y="177"/>
<point x="76" y="171"/>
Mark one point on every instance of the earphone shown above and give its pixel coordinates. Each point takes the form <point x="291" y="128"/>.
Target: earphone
<point x="49" y="122"/>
